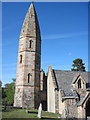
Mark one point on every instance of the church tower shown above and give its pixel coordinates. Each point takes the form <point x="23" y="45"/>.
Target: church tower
<point x="29" y="62"/>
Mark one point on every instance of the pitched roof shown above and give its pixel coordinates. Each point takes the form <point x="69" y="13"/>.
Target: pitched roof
<point x="82" y="101"/>
<point x="64" y="80"/>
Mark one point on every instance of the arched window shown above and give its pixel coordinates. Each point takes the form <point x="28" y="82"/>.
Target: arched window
<point x="29" y="77"/>
<point x="30" y="44"/>
<point x="79" y="83"/>
<point x="20" y="58"/>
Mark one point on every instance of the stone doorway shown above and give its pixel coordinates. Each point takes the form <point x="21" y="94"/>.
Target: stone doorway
<point x="88" y="109"/>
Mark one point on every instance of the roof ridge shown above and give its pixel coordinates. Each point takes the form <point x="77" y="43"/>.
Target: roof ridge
<point x="71" y="71"/>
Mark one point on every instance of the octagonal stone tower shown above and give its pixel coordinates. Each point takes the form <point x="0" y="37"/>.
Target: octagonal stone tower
<point x="29" y="61"/>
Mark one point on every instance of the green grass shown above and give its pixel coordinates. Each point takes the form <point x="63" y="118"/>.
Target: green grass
<point x="21" y="113"/>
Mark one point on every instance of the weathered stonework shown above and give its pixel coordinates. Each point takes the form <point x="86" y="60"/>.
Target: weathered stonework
<point x="56" y="101"/>
<point x="50" y="92"/>
<point x="60" y="92"/>
<point x="43" y="81"/>
<point x="65" y="96"/>
<point x="29" y="62"/>
<point x="71" y="102"/>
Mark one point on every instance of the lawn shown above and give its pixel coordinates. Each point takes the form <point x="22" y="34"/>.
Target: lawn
<point x="21" y="114"/>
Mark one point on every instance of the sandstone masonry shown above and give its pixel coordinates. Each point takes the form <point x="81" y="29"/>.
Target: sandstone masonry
<point x="29" y="62"/>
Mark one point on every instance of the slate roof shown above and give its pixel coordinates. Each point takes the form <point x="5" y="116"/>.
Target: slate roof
<point x="64" y="80"/>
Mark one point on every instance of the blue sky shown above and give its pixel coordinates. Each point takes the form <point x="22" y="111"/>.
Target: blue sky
<point x="64" y="34"/>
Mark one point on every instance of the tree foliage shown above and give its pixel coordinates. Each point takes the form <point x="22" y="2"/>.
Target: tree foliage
<point x="8" y="93"/>
<point x="78" y="65"/>
<point x="0" y="83"/>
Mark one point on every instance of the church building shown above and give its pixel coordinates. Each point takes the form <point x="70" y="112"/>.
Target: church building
<point x="63" y="92"/>
<point x="68" y="93"/>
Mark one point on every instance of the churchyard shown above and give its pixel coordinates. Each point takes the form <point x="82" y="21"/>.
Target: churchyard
<point x="12" y="113"/>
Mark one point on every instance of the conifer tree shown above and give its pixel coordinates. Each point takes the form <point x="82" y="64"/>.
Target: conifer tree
<point x="78" y="65"/>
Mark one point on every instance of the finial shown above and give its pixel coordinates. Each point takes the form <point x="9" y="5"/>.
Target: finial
<point x="32" y="1"/>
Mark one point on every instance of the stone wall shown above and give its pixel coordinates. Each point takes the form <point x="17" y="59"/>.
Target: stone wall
<point x="43" y="81"/>
<point x="61" y="104"/>
<point x="50" y="93"/>
<point x="71" y="104"/>
<point x="18" y="96"/>
<point x="57" y="101"/>
<point x="81" y="112"/>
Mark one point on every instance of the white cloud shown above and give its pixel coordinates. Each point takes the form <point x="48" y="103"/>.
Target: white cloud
<point x="58" y="36"/>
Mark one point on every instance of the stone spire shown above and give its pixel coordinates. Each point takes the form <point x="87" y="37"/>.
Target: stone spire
<point x="29" y="62"/>
<point x="28" y="28"/>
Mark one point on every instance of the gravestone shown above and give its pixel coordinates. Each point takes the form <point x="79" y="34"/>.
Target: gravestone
<point x="40" y="111"/>
<point x="27" y="108"/>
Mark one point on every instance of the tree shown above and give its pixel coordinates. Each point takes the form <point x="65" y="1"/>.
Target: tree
<point x="8" y="93"/>
<point x="0" y="83"/>
<point x="4" y="101"/>
<point x="78" y="65"/>
<point x="6" y="85"/>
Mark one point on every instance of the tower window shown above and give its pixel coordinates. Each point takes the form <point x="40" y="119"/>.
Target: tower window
<point x="30" y="44"/>
<point x="79" y="83"/>
<point x="29" y="78"/>
<point x="20" y="58"/>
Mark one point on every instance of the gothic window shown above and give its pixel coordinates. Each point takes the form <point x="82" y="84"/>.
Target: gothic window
<point x="30" y="44"/>
<point x="29" y="78"/>
<point x="20" y="58"/>
<point x="79" y="83"/>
